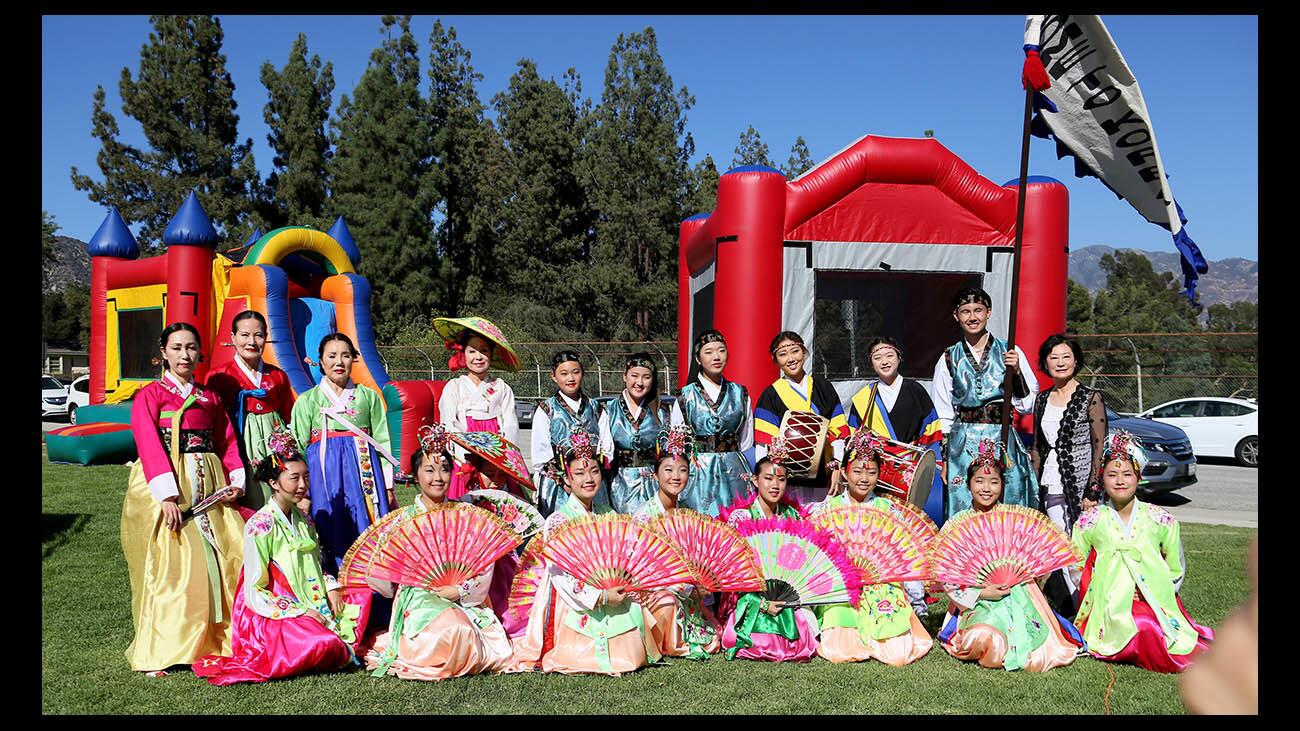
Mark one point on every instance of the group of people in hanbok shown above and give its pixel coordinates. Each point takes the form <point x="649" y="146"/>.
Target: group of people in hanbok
<point x="245" y="501"/>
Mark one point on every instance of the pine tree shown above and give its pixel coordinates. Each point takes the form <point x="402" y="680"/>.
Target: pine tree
<point x="297" y="111"/>
<point x="1078" y="308"/>
<point x="469" y="164"/>
<point x="702" y="196"/>
<point x="636" y="175"/>
<point x="546" y="238"/>
<point x="49" y="227"/>
<point x="379" y="173"/>
<point x="183" y="98"/>
<point x="800" y="160"/>
<point x="751" y="150"/>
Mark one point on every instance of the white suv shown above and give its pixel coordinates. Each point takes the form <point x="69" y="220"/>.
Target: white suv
<point x="1217" y="427"/>
<point x="78" y="396"/>
<point x="54" y="397"/>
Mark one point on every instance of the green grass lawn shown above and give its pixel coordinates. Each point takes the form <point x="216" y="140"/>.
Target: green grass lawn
<point x="86" y="626"/>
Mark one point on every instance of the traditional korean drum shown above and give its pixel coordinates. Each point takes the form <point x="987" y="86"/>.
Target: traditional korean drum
<point x="906" y="472"/>
<point x="805" y="434"/>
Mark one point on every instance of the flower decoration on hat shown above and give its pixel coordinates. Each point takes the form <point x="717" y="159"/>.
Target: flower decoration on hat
<point x="677" y="440"/>
<point x="581" y="446"/>
<point x="990" y="452"/>
<point x="1122" y="445"/>
<point x="778" y="451"/>
<point x="282" y="446"/>
<point x="864" y="444"/>
<point x="433" y="438"/>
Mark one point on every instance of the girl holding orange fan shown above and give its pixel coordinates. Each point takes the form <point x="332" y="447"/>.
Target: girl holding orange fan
<point x="443" y="631"/>
<point x="1130" y="611"/>
<point x="575" y="626"/>
<point x="997" y="614"/>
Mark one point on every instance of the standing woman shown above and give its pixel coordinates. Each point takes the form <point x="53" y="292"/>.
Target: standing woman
<point x="1069" y="434"/>
<point x="722" y="416"/>
<point x="798" y="390"/>
<point x="342" y="429"/>
<point x="555" y="419"/>
<point x="629" y="429"/>
<point x="183" y="569"/>
<point x="476" y="401"/>
<point x="256" y="394"/>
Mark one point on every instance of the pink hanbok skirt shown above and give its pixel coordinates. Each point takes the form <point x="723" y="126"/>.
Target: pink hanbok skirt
<point x="1147" y="648"/>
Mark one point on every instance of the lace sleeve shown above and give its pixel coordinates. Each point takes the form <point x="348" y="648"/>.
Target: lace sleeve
<point x="1036" y="451"/>
<point x="1097" y="426"/>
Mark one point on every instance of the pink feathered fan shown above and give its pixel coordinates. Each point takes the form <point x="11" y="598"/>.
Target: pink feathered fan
<point x="879" y="543"/>
<point x="1008" y="545"/>
<point x="718" y="556"/>
<point x="448" y="545"/>
<point x="356" y="562"/>
<point x="612" y="551"/>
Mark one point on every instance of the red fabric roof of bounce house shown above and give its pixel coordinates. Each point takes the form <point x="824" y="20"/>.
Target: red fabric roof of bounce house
<point x="878" y="189"/>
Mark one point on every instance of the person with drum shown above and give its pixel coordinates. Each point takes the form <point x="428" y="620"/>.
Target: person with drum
<point x="967" y="391"/>
<point x="901" y="410"/>
<point x="721" y="413"/>
<point x="805" y="410"/>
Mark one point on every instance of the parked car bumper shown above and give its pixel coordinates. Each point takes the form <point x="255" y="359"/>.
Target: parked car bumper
<point x="1165" y="473"/>
<point x="48" y="409"/>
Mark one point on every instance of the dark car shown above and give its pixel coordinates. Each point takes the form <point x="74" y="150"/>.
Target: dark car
<point x="605" y="401"/>
<point x="1172" y="464"/>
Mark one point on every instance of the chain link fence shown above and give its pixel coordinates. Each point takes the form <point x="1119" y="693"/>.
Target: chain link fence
<point x="1138" y="371"/>
<point x="603" y="363"/>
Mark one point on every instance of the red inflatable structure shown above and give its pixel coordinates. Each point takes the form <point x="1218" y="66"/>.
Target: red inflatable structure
<point x="874" y="241"/>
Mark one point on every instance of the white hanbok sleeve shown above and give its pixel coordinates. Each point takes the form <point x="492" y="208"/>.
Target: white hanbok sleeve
<point x="676" y="417"/>
<point x="747" y="427"/>
<point x="1025" y="405"/>
<point x="941" y="394"/>
<point x="540" y="440"/>
<point x="509" y="420"/>
<point x="963" y="596"/>
<point x="606" y="438"/>
<point x="577" y="595"/>
<point x="475" y="591"/>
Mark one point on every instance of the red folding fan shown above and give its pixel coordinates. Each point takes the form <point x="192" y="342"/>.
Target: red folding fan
<point x="1008" y="545"/>
<point x="528" y="577"/>
<point x="880" y="544"/>
<point x="612" y="551"/>
<point x="716" y="554"/>
<point x="448" y="545"/>
<point x="356" y="562"/>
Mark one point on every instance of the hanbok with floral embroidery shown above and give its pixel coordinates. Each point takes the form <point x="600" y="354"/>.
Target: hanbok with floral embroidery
<point x="685" y="625"/>
<point x="272" y="634"/>
<point x="569" y="631"/>
<point x="182" y="582"/>
<point x="433" y="638"/>
<point x="344" y="437"/>
<point x="257" y="402"/>
<point x="1130" y="609"/>
<point x="752" y="634"/>
<point x="883" y="626"/>
<point x="1017" y="632"/>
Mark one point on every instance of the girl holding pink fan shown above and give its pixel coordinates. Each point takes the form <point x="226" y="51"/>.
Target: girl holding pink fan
<point x="574" y="627"/>
<point x="290" y="616"/>
<point x="754" y="627"/>
<point x="1130" y="611"/>
<point x="684" y="622"/>
<point x="1001" y="626"/>
<point x="883" y="626"/>
<point x="445" y="631"/>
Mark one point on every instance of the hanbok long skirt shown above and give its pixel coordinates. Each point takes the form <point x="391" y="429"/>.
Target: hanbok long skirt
<point x="773" y="647"/>
<point x="181" y="590"/>
<point x="339" y="504"/>
<point x="682" y="631"/>
<point x="1019" y="485"/>
<point x="989" y="645"/>
<point x="558" y="648"/>
<point x="717" y="480"/>
<point x="257" y="427"/>
<point x="264" y="649"/>
<point x="449" y="646"/>
<point x="874" y="622"/>
<point x="1147" y="649"/>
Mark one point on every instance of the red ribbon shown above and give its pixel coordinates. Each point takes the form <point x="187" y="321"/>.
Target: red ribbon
<point x="457" y="361"/>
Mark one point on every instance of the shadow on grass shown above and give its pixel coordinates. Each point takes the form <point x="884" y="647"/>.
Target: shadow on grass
<point x="58" y="528"/>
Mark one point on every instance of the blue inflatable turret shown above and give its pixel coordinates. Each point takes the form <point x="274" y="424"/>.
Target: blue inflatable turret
<point x="257" y="234"/>
<point x="113" y="238"/>
<point x="190" y="226"/>
<point x="340" y="233"/>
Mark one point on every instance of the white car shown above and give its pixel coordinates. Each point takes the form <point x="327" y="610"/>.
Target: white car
<point x="1217" y="427"/>
<point x="54" y="397"/>
<point x="78" y="396"/>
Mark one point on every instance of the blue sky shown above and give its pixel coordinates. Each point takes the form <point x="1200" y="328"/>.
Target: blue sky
<point x="828" y="78"/>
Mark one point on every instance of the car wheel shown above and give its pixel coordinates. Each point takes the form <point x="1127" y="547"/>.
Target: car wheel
<point x="72" y="414"/>
<point x="1248" y="452"/>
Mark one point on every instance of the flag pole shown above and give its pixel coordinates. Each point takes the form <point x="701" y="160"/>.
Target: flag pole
<point x="1015" y="266"/>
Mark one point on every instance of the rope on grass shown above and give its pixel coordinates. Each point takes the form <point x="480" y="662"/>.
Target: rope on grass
<point x="1108" y="687"/>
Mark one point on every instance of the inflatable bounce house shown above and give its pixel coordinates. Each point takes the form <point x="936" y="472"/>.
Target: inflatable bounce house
<point x="302" y="280"/>
<point x="876" y="240"/>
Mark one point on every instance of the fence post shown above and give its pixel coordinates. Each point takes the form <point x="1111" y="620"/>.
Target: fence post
<point x="1137" y="361"/>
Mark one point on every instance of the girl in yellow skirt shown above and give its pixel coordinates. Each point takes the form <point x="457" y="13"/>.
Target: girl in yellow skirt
<point x="184" y="563"/>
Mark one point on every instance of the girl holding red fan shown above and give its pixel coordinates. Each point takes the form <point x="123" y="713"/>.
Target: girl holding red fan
<point x="684" y="623"/>
<point x="1002" y="626"/>
<point x="1130" y="611"/>
<point x="446" y="631"/>
<point x="754" y="627"/>
<point x="290" y="615"/>
<point x="883" y="626"/>
<point x="574" y="627"/>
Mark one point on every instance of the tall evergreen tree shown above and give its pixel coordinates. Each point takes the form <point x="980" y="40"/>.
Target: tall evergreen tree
<point x="183" y="98"/>
<point x="297" y="111"/>
<point x="469" y="165"/>
<point x="49" y="227"/>
<point x="751" y="150"/>
<point x="545" y="240"/>
<point x="379" y="170"/>
<point x="636" y="172"/>
<point x="800" y="160"/>
<point x="702" y="195"/>
<point x="1078" y="308"/>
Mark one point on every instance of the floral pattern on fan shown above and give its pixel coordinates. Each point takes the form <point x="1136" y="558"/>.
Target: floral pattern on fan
<point x="516" y="512"/>
<point x="803" y="558"/>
